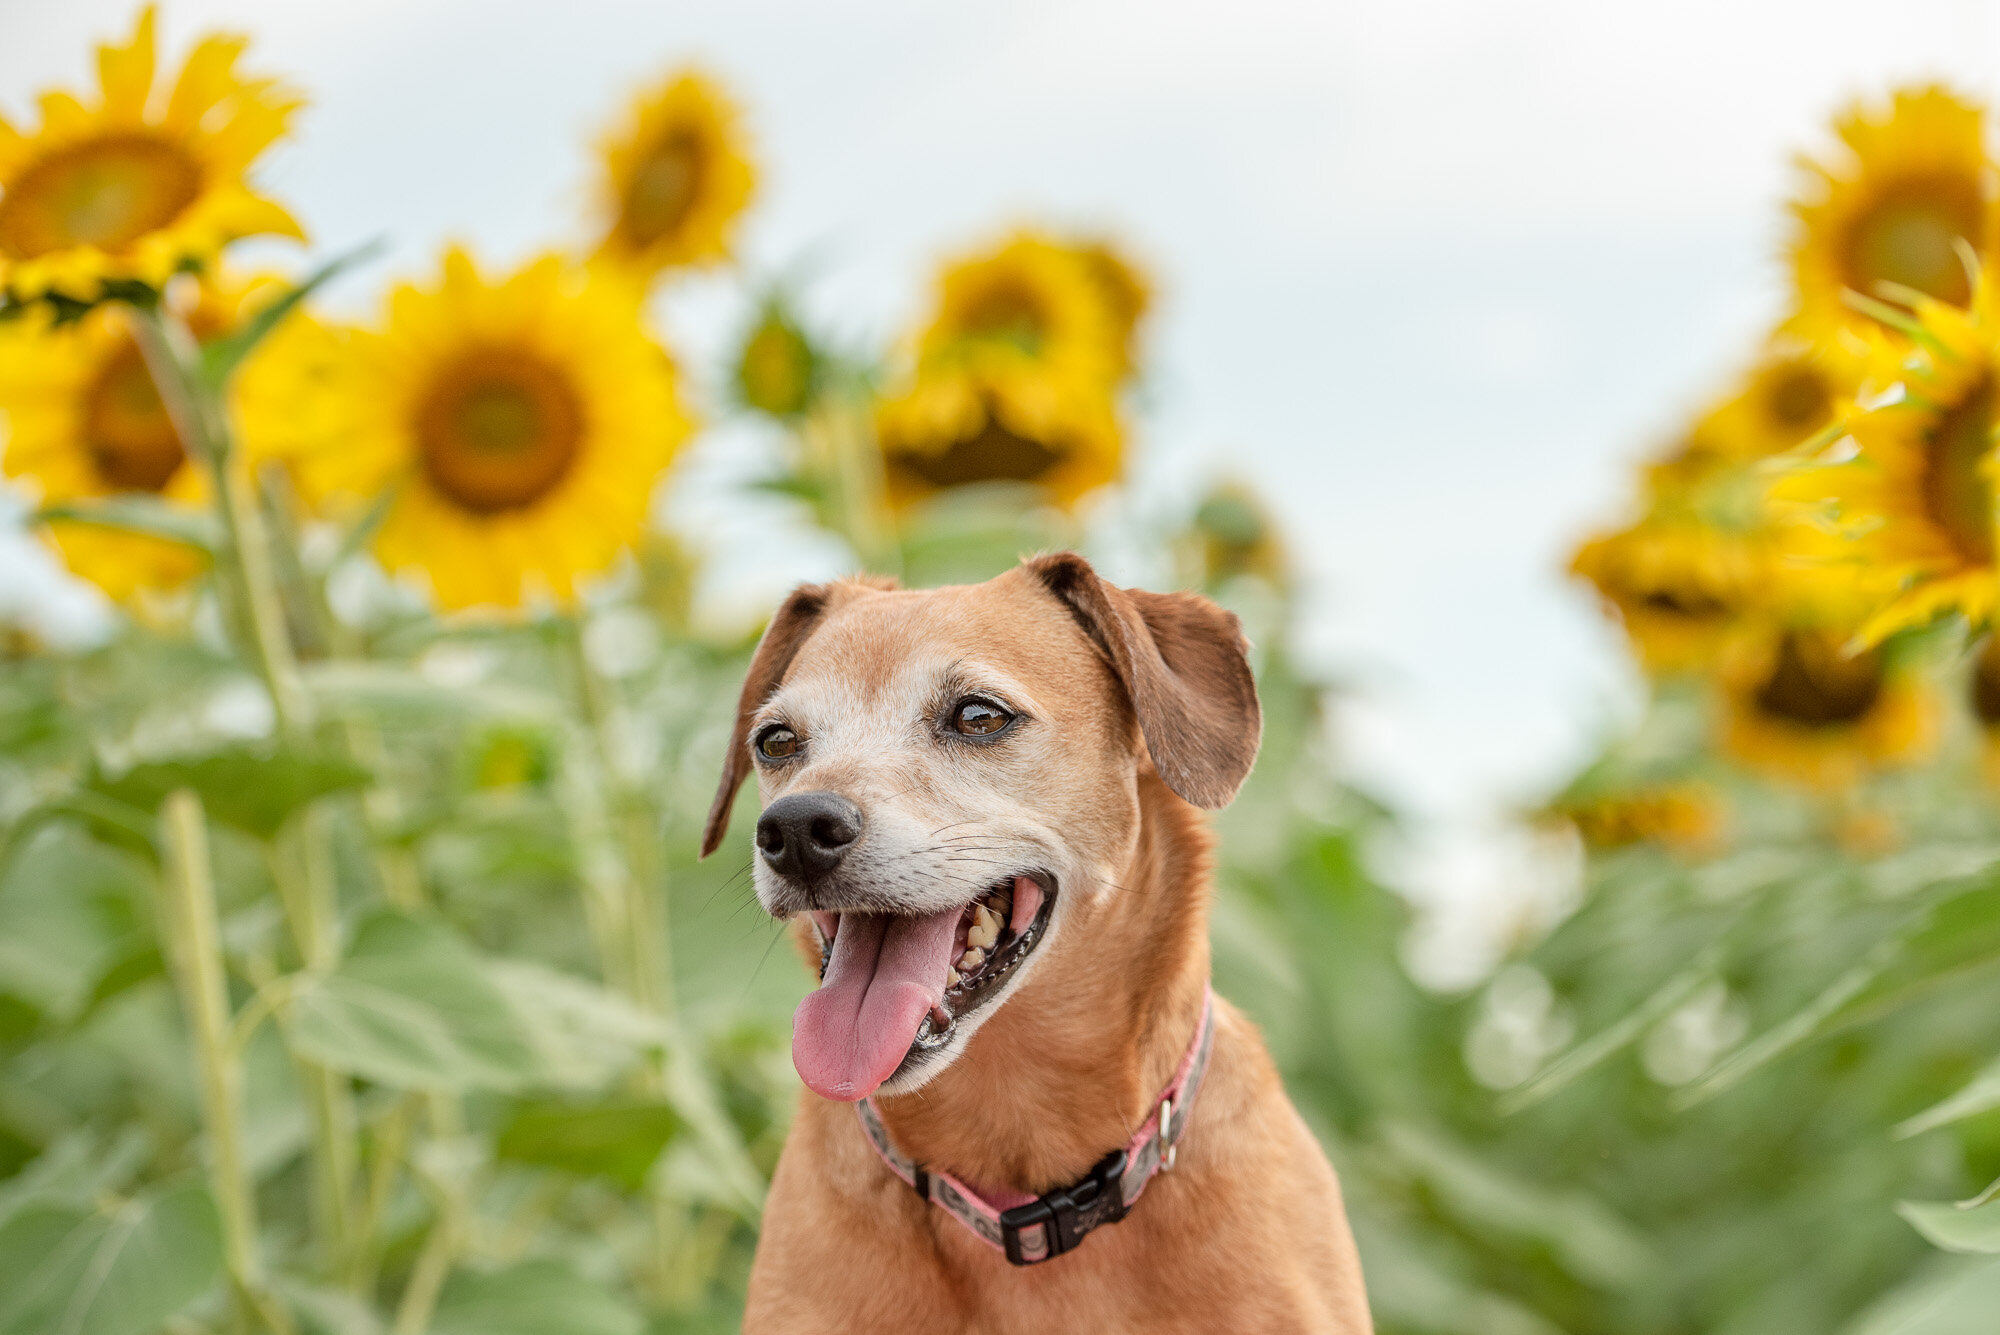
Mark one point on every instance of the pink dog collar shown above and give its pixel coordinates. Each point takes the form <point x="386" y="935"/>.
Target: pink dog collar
<point x="1032" y="1229"/>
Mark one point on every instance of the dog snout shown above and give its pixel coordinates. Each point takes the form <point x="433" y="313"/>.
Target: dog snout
<point x="805" y="835"/>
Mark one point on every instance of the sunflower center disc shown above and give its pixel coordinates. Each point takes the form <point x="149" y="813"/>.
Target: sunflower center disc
<point x="1817" y="686"/>
<point x="104" y="192"/>
<point x="1686" y="604"/>
<point x="1008" y="312"/>
<point x="775" y="374"/>
<point x="994" y="455"/>
<point x="662" y="191"/>
<point x="1911" y="237"/>
<point x="1957" y="495"/>
<point x="499" y="429"/>
<point x="132" y="441"/>
<point x="1797" y="398"/>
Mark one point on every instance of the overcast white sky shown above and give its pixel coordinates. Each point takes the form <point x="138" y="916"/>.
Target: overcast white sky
<point x="1434" y="271"/>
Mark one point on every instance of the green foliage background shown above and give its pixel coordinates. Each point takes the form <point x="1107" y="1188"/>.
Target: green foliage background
<point x="550" y="1156"/>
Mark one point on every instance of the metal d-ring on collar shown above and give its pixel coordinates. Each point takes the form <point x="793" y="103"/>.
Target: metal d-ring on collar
<point x="1056" y="1222"/>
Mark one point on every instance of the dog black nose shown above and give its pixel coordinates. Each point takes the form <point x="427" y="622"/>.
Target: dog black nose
<point x="806" y="834"/>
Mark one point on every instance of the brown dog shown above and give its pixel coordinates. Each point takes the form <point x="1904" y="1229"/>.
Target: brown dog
<point x="977" y="808"/>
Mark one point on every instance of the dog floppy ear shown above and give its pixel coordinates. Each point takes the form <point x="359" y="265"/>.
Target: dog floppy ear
<point x="1182" y="661"/>
<point x="790" y="627"/>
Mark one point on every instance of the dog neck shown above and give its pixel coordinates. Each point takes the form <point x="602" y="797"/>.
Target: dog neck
<point x="1065" y="1071"/>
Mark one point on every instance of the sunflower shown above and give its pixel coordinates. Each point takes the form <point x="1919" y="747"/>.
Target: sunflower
<point x="1917" y="498"/>
<point x="1916" y="189"/>
<point x="1014" y="380"/>
<point x="146" y="183"/>
<point x="1789" y="395"/>
<point x="1678" y="587"/>
<point x="85" y="422"/>
<point x="778" y="370"/>
<point x="1236" y="536"/>
<point x="1686" y="818"/>
<point x="523" y="423"/>
<point x="676" y="176"/>
<point x="1799" y="704"/>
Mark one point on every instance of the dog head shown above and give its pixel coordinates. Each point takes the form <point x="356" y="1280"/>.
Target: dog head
<point x="951" y="780"/>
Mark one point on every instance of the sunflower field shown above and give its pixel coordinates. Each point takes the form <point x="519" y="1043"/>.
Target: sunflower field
<point x="358" y="972"/>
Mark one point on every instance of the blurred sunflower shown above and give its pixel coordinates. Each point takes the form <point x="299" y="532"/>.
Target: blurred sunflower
<point x="1796" y="704"/>
<point x="1916" y="189"/>
<point x="133" y="190"/>
<point x="1676" y="587"/>
<point x="85" y="422"/>
<point x="1014" y="380"/>
<point x="1682" y="817"/>
<point x="778" y="370"/>
<point x="1237" y="536"/>
<point x="1917" y="500"/>
<point x="523" y="423"/>
<point x="1789" y="395"/>
<point x="676" y="176"/>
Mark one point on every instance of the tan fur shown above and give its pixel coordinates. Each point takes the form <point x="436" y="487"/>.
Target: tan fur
<point x="1246" y="1233"/>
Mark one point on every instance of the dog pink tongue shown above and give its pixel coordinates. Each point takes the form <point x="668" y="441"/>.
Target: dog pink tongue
<point x="885" y="974"/>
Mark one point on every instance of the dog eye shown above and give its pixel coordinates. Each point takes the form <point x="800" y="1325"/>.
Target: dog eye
<point x="778" y="742"/>
<point x="979" y="718"/>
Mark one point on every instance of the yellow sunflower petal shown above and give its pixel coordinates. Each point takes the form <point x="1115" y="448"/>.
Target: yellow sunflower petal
<point x="206" y="81"/>
<point x="126" y="72"/>
<point x="240" y="142"/>
<point x="238" y="214"/>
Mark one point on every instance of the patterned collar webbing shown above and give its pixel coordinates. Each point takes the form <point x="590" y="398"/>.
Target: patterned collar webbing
<point x="1055" y="1223"/>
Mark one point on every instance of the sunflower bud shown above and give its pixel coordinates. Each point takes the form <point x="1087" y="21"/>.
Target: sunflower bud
<point x="778" y="370"/>
<point x="1237" y="537"/>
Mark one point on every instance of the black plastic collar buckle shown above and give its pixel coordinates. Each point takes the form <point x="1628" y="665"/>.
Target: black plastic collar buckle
<point x="1056" y="1223"/>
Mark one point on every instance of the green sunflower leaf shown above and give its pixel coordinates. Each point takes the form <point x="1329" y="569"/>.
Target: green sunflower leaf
<point x="137" y="512"/>
<point x="220" y="357"/>
<point x="253" y="790"/>
<point x="617" y="1139"/>
<point x="534" y="1298"/>
<point x="412" y="1006"/>
<point x="72" y="1271"/>
<point x="1954" y="1229"/>
<point x="1981" y="1094"/>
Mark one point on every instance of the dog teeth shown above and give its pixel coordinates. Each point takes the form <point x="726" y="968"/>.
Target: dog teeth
<point x="951" y="977"/>
<point x="970" y="961"/>
<point x="985" y="928"/>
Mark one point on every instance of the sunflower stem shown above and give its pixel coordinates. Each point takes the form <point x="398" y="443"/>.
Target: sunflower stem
<point x="174" y="361"/>
<point x="445" y="1183"/>
<point x="302" y="867"/>
<point x="194" y="951"/>
<point x="840" y="432"/>
<point x="301" y="596"/>
<point x="433" y="1267"/>
<point x="389" y="1145"/>
<point x="635" y="875"/>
